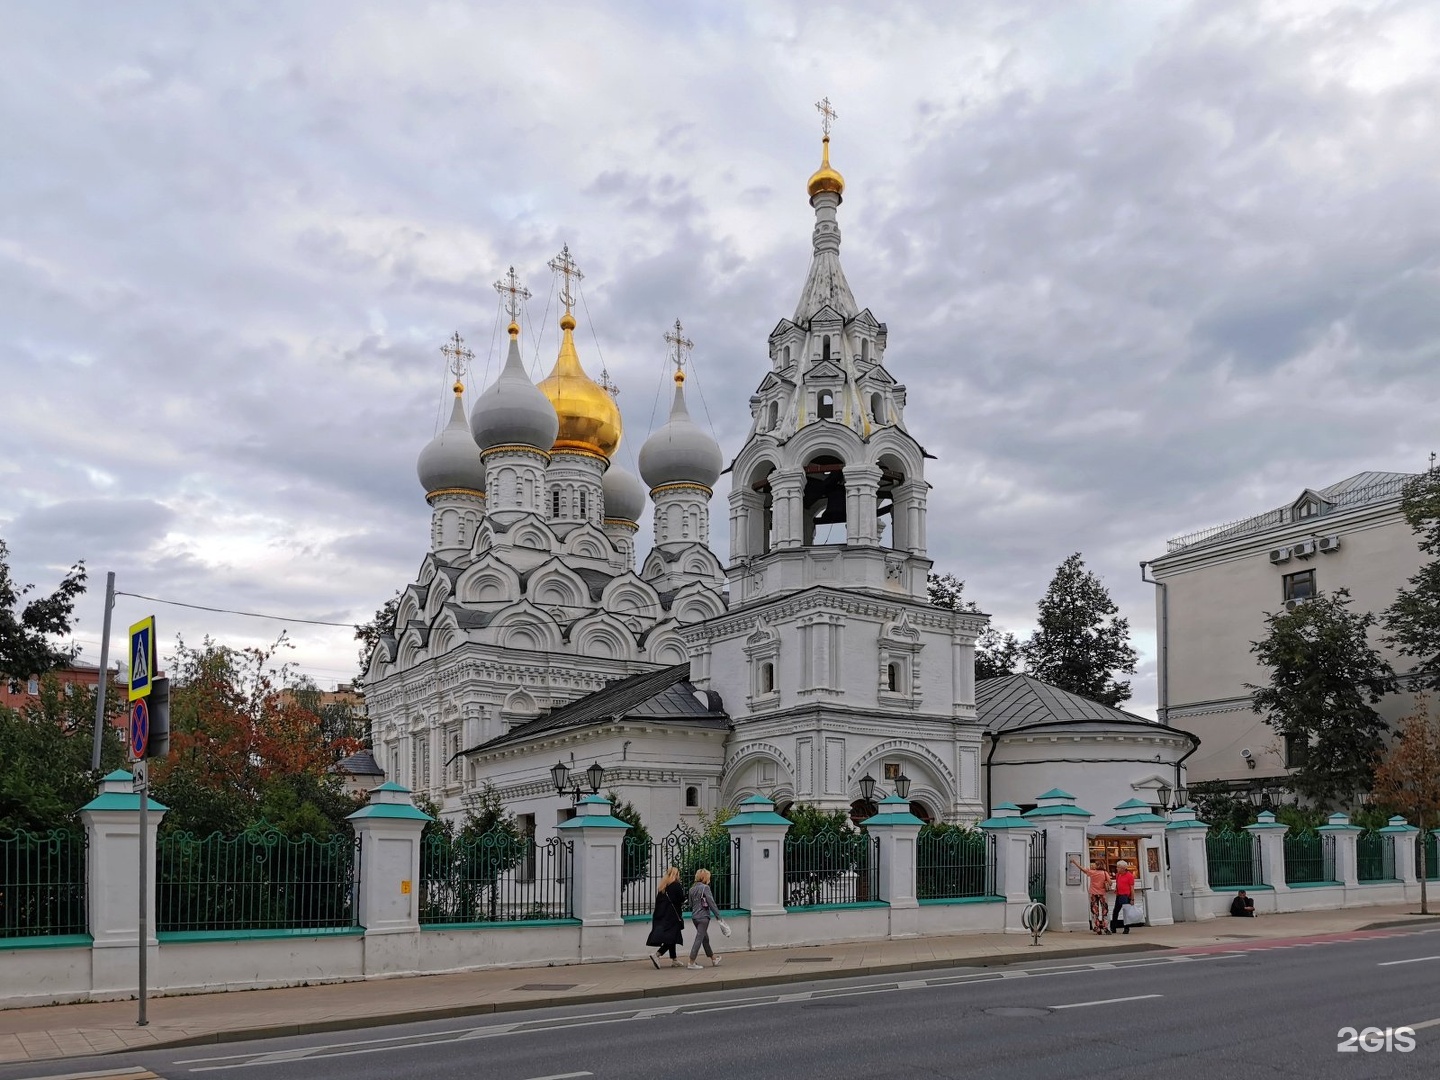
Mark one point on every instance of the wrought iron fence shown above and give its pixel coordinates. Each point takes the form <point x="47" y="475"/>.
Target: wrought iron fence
<point x="1427" y="843"/>
<point x="951" y="864"/>
<point x="1374" y="857"/>
<point x="42" y="883"/>
<point x="1037" y="868"/>
<point x="831" y="868"/>
<point x="496" y="876"/>
<point x="258" y="880"/>
<point x="645" y="863"/>
<point x="1232" y="858"/>
<point x="1309" y="857"/>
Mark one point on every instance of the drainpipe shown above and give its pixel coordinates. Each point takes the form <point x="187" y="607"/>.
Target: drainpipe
<point x="1181" y="763"/>
<point x="989" y="793"/>
<point x="1162" y="643"/>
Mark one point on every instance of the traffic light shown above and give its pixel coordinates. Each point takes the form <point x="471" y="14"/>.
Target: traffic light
<point x="158" y="744"/>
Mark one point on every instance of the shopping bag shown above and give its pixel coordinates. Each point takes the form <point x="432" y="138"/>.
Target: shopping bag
<point x="1132" y="914"/>
<point x="724" y="927"/>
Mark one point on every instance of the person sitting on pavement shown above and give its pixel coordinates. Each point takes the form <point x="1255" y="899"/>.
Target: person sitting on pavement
<point x="1242" y="907"/>
<point x="1099" y="909"/>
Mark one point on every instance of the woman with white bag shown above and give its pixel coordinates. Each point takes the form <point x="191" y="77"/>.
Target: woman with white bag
<point x="703" y="908"/>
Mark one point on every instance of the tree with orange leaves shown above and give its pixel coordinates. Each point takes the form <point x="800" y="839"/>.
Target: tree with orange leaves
<point x="242" y="749"/>
<point x="1409" y="778"/>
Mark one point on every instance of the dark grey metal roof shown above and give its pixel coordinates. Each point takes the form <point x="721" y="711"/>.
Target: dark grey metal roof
<point x="468" y="618"/>
<point x="360" y="763"/>
<point x="666" y="695"/>
<point x="1019" y="701"/>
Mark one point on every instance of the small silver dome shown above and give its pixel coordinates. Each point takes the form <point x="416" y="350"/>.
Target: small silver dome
<point x="513" y="410"/>
<point x="624" y="494"/>
<point x="680" y="452"/>
<point x="451" y="459"/>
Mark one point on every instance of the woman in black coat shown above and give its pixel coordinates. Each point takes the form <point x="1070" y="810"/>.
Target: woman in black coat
<point x="667" y="925"/>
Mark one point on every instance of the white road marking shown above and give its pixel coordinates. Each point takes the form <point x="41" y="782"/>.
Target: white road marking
<point x="1424" y="1024"/>
<point x="1412" y="960"/>
<point x="1106" y="1001"/>
<point x="561" y="1076"/>
<point x="139" y="1072"/>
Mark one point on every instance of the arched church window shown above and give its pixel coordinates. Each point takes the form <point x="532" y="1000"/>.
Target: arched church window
<point x="877" y="408"/>
<point x="825" y="347"/>
<point x="864" y="348"/>
<point x="584" y="504"/>
<point x="692" y="796"/>
<point x="824" y="501"/>
<point x="774" y="420"/>
<point x="920" y="810"/>
<point x="892" y="677"/>
<point x="787" y="355"/>
<point x="555" y="503"/>
<point x="825" y="405"/>
<point x="767" y="678"/>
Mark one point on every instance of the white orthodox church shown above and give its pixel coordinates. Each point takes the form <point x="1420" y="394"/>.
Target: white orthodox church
<point x="809" y="660"/>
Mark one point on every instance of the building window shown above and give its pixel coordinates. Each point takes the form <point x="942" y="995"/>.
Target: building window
<point x="877" y="408"/>
<point x="825" y="348"/>
<point x="1299" y="586"/>
<point x="864" y="349"/>
<point x="1297" y="749"/>
<point x="1308" y="508"/>
<point x="692" y="796"/>
<point x="774" y="416"/>
<point x="584" y="504"/>
<point x="892" y="677"/>
<point x="32" y="686"/>
<point x="767" y="678"/>
<point x="825" y="405"/>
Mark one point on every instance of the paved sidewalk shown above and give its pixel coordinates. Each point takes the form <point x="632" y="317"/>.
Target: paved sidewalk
<point x="62" y="1031"/>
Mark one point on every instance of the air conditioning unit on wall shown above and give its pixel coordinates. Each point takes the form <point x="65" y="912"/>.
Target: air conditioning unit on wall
<point x="1305" y="549"/>
<point x="1328" y="544"/>
<point x="1280" y="555"/>
<point x="1291" y="605"/>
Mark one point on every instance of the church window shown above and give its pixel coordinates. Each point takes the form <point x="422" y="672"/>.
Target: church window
<point x="864" y="348"/>
<point x="555" y="503"/>
<point x="584" y="505"/>
<point x="774" y="420"/>
<point x="825" y="405"/>
<point x="892" y="677"/>
<point x="787" y="355"/>
<point x="457" y="763"/>
<point x="825" y="347"/>
<point x="394" y="765"/>
<point x="877" y="408"/>
<point x="767" y="678"/>
<point x="692" y="796"/>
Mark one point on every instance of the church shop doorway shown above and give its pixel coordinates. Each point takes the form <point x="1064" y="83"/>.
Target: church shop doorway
<point x="1106" y="851"/>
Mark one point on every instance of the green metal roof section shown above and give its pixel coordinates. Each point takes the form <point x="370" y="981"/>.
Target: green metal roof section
<point x="594" y="821"/>
<point x="883" y="820"/>
<point x="1265" y="821"/>
<point x="757" y="817"/>
<point x="1398" y="825"/>
<point x="1186" y="823"/>
<point x="1133" y="804"/>
<point x="120" y="800"/>
<point x="1055" y="793"/>
<point x="394" y="811"/>
<point x="118" y="776"/>
<point x="1010" y="821"/>
<point x="1137" y="819"/>
<point x="391" y="785"/>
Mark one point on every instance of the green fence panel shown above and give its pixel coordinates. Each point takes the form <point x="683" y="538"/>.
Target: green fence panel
<point x="494" y="877"/>
<point x="646" y="862"/>
<point x="952" y="865"/>
<point x="258" y="880"/>
<point x="1427" y="844"/>
<point x="1309" y="858"/>
<point x="42" y="883"/>
<point x="1374" y="857"/>
<point x="831" y="868"/>
<point x="1232" y="859"/>
<point x="1037" y="868"/>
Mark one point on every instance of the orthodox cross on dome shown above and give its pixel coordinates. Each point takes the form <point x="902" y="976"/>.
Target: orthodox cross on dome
<point x="564" y="264"/>
<point x="605" y="384"/>
<point x="512" y="293"/>
<point x="827" y="114"/>
<point x="457" y="355"/>
<point x="680" y="347"/>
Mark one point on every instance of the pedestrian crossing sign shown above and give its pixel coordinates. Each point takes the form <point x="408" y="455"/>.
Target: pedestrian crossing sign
<point x="142" y="657"/>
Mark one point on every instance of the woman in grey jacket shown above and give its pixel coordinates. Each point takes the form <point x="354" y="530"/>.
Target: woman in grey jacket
<point x="702" y="909"/>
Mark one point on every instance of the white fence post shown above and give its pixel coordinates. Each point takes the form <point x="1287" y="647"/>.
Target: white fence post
<point x="1012" y="836"/>
<point x="1189" y="864"/>
<point x="1064" y="826"/>
<point x="1347" y="862"/>
<point x="1402" y="834"/>
<point x="387" y="895"/>
<point x="1271" y="836"/>
<point x="599" y="839"/>
<point x="761" y="857"/>
<point x="898" y="832"/>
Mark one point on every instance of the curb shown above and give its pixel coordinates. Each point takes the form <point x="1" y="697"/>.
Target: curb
<point x="451" y="1012"/>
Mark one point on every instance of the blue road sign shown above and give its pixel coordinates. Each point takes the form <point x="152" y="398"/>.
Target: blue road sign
<point x="139" y="728"/>
<point x="142" y="657"/>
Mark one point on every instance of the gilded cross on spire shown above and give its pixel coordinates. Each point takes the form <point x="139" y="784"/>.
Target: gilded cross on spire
<point x="605" y="384"/>
<point x="513" y="294"/>
<point x="564" y="264"/>
<point x="680" y="347"/>
<point x="827" y="114"/>
<point x="458" y="357"/>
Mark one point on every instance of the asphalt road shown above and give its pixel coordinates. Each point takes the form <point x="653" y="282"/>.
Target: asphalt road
<point x="1221" y="1014"/>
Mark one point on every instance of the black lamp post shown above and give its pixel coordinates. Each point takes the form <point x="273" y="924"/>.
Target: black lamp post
<point x="1257" y="797"/>
<point x="560" y="774"/>
<point x="1162" y="795"/>
<point x="902" y="786"/>
<point x="1182" y="796"/>
<point x="867" y="788"/>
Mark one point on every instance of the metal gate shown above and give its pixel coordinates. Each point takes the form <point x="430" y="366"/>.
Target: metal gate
<point x="1037" y="868"/>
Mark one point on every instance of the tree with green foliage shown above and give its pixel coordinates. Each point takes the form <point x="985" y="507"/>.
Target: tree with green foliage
<point x="636" y="862"/>
<point x="461" y="866"/>
<point x="1080" y="640"/>
<point x="821" y="847"/>
<point x="1221" y="807"/>
<point x="370" y="633"/>
<point x="27" y="633"/>
<point x="997" y="652"/>
<point x="1412" y="622"/>
<point x="1325" y="678"/>
<point x="45" y="772"/>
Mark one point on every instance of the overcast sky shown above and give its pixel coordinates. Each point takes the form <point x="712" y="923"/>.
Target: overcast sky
<point x="1146" y="267"/>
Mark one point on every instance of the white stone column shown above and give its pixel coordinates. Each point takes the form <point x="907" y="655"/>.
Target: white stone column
<point x="1189" y="865"/>
<point x="1013" y="836"/>
<point x="388" y="892"/>
<point x="898" y="831"/>
<point x="786" y="489"/>
<point x="761" y="857"/>
<point x="862" y="484"/>
<point x="599" y="839"/>
<point x="1403" y="834"/>
<point x="1064" y="826"/>
<point x="112" y="874"/>
<point x="1347" y="860"/>
<point x="1270" y="834"/>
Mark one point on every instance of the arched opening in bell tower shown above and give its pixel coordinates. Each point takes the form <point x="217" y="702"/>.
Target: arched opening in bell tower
<point x="887" y="509"/>
<point x="824" y="501"/>
<point x="760" y="529"/>
<point x="825" y="404"/>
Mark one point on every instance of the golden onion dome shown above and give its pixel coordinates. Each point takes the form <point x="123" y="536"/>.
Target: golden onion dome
<point x="826" y="178"/>
<point x="589" y="418"/>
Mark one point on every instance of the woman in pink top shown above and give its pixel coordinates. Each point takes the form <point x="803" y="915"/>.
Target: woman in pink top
<point x="1099" y="909"/>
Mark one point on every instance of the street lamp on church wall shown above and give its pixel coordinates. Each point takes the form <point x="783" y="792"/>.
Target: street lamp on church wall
<point x="560" y="774"/>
